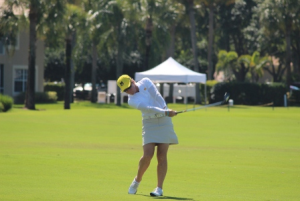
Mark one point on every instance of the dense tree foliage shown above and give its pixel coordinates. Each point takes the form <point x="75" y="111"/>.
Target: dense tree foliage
<point x="126" y="36"/>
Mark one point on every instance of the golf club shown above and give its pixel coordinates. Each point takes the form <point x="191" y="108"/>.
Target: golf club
<point x="226" y="98"/>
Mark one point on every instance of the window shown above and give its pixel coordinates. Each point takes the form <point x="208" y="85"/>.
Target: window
<point x="1" y="78"/>
<point x="20" y="80"/>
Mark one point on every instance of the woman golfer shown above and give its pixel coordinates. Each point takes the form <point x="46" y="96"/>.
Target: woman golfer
<point x="157" y="128"/>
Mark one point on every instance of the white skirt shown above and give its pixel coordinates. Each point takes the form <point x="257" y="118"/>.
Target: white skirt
<point x="159" y="130"/>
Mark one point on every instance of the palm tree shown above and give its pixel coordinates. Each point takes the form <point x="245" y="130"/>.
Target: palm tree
<point x="156" y="17"/>
<point x="33" y="17"/>
<point x="281" y="16"/>
<point x="96" y="19"/>
<point x="255" y="63"/>
<point x="241" y="65"/>
<point x="70" y="25"/>
<point x="117" y="33"/>
<point x="227" y="61"/>
<point x="190" y="8"/>
<point x="174" y="13"/>
<point x="211" y="5"/>
<point x="39" y="12"/>
<point x="148" y="8"/>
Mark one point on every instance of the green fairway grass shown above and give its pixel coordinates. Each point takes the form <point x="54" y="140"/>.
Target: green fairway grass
<point x="91" y="152"/>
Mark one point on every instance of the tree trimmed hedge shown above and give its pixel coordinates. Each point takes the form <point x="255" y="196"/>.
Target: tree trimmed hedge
<point x="58" y="88"/>
<point x="6" y="103"/>
<point x="1" y="107"/>
<point x="249" y="93"/>
<point x="40" y="97"/>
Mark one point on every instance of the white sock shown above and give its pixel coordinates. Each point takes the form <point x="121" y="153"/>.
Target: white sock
<point x="136" y="181"/>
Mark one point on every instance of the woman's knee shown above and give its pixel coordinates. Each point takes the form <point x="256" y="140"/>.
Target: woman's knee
<point x="148" y="155"/>
<point x="162" y="152"/>
<point x="162" y="158"/>
<point x="148" y="152"/>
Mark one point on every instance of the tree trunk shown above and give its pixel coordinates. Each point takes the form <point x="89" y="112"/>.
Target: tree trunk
<point x="193" y="34"/>
<point x="288" y="56"/>
<point x="298" y="57"/>
<point x="276" y="74"/>
<point x="210" y="41"/>
<point x="194" y="46"/>
<point x="244" y="71"/>
<point x="240" y="75"/>
<point x="119" y="69"/>
<point x="72" y="81"/>
<point x="148" y="29"/>
<point x="94" y="74"/>
<point x="171" y="48"/>
<point x="170" y="53"/>
<point x="171" y="94"/>
<point x="30" y="91"/>
<point x="68" y="72"/>
<point x="161" y="89"/>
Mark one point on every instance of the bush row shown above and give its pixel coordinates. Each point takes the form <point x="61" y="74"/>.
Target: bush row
<point x="6" y="103"/>
<point x="40" y="97"/>
<point x="249" y="93"/>
<point x="58" y="88"/>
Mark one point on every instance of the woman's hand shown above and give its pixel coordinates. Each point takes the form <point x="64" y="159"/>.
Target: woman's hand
<point x="172" y="113"/>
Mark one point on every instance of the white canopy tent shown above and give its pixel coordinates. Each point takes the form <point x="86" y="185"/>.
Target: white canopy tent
<point x="172" y="71"/>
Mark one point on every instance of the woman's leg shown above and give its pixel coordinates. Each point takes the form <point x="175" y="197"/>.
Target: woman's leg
<point x="162" y="166"/>
<point x="145" y="160"/>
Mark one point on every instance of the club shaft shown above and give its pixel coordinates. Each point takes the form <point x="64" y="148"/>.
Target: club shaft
<point x="205" y="106"/>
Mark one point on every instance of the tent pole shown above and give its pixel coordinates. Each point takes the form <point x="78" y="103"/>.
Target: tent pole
<point x="185" y="98"/>
<point x="205" y="95"/>
<point x="195" y="96"/>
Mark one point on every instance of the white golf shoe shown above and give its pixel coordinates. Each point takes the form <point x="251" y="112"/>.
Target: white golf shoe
<point x="133" y="187"/>
<point x="157" y="192"/>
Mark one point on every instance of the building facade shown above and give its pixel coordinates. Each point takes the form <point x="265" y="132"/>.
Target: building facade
<point x="14" y="66"/>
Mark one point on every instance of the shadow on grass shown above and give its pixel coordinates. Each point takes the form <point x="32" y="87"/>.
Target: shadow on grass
<point x="102" y="105"/>
<point x="75" y="105"/>
<point x="235" y="107"/>
<point x="168" y="197"/>
<point x="24" y="108"/>
<point x="18" y="106"/>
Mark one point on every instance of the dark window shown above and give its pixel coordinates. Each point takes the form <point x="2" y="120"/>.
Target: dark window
<point x="20" y="80"/>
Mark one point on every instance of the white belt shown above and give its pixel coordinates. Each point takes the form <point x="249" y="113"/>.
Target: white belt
<point x="154" y="116"/>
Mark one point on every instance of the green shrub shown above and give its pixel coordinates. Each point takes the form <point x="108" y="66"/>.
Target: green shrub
<point x="40" y="97"/>
<point x="46" y="97"/>
<point x="273" y="93"/>
<point x="58" y="88"/>
<point x="1" y="107"/>
<point x="249" y="93"/>
<point x="6" y="101"/>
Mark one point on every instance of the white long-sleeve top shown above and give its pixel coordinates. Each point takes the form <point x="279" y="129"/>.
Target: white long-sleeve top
<point x="148" y="100"/>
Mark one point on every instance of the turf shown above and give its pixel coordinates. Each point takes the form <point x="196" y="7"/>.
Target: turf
<point x="91" y="152"/>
